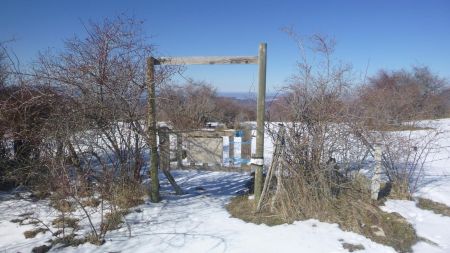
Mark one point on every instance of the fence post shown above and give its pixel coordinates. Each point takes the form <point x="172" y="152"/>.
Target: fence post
<point x="246" y="146"/>
<point x="375" y="186"/>
<point x="179" y="150"/>
<point x="258" y="159"/>
<point x="151" y="130"/>
<point x="164" y="148"/>
<point x="164" y="143"/>
<point x="231" y="149"/>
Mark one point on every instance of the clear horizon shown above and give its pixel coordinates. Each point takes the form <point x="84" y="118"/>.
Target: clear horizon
<point x="370" y="35"/>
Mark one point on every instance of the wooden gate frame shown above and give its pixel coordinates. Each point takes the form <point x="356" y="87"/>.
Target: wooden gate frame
<point x="257" y="161"/>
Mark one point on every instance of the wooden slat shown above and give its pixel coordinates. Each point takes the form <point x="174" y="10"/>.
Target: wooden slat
<point x="207" y="60"/>
<point x="208" y="134"/>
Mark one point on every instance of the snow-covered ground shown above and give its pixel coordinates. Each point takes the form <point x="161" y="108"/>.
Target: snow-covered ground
<point x="437" y="165"/>
<point x="428" y="225"/>
<point x="198" y="221"/>
<point x="431" y="226"/>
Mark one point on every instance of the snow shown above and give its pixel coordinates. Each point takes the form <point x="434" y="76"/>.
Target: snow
<point x="431" y="226"/>
<point x="11" y="234"/>
<point x="199" y="222"/>
<point x="436" y="186"/>
<point x="437" y="168"/>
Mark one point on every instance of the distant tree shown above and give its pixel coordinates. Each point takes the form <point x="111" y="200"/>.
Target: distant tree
<point x="391" y="97"/>
<point x="189" y="106"/>
<point x="233" y="111"/>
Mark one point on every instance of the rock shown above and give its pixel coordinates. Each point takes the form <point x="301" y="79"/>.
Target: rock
<point x="41" y="249"/>
<point x="352" y="247"/>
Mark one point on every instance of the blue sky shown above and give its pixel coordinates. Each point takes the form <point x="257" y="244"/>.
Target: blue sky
<point x="373" y="34"/>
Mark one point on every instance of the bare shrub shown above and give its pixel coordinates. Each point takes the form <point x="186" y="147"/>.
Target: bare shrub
<point x="404" y="157"/>
<point x="392" y="106"/>
<point x="91" y="140"/>
<point x="315" y="154"/>
<point x="316" y="170"/>
<point x="24" y="122"/>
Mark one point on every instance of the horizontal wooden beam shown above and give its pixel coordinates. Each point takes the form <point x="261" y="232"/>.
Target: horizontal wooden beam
<point x="205" y="60"/>
<point x="208" y="134"/>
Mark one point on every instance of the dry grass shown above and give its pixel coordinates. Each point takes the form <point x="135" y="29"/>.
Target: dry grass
<point x="69" y="240"/>
<point x="400" y="190"/>
<point x="65" y="222"/>
<point x="127" y="195"/>
<point x="243" y="208"/>
<point x="32" y="233"/>
<point x="436" y="207"/>
<point x="386" y="228"/>
<point x="62" y="204"/>
<point x="113" y="221"/>
<point x="40" y="194"/>
<point x="91" y="202"/>
<point x="93" y="239"/>
<point x="352" y="209"/>
<point x="26" y="219"/>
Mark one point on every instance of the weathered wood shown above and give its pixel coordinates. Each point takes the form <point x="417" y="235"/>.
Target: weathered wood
<point x="164" y="144"/>
<point x="205" y="150"/>
<point x="276" y="155"/>
<point x="207" y="60"/>
<point x="138" y="160"/>
<point x="258" y="159"/>
<point x="246" y="146"/>
<point x="151" y="131"/>
<point x="231" y="149"/>
<point x="215" y="167"/>
<point x="375" y="186"/>
<point x="179" y="150"/>
<point x="164" y="148"/>
<point x="208" y="134"/>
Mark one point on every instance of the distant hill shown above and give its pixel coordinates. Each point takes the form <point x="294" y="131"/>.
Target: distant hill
<point x="245" y="95"/>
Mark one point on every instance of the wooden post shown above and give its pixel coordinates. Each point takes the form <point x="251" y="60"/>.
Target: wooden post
<point x="179" y="151"/>
<point x="279" y="143"/>
<point x="164" y="148"/>
<point x="151" y="131"/>
<point x="164" y="143"/>
<point x="231" y="149"/>
<point x="375" y="186"/>
<point x="246" y="146"/>
<point x="258" y="159"/>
